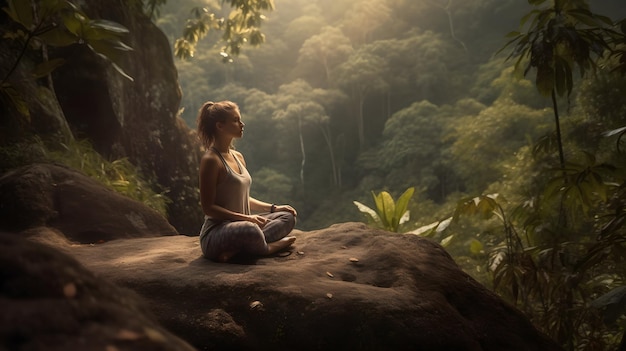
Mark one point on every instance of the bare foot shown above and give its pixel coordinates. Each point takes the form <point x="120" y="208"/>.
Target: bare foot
<point x="280" y="244"/>
<point x="225" y="256"/>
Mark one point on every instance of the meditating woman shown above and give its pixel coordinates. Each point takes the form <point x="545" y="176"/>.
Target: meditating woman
<point x="234" y="222"/>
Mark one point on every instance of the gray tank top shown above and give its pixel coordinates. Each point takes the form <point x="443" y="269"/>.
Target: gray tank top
<point x="233" y="192"/>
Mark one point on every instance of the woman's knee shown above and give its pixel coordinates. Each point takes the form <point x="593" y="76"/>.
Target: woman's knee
<point x="288" y="218"/>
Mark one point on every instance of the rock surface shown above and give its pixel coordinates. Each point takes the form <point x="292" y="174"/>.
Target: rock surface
<point x="344" y="287"/>
<point x="83" y="209"/>
<point x="50" y="302"/>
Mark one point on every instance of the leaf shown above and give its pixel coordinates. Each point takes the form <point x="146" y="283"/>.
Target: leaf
<point x="427" y="230"/>
<point x="545" y="80"/>
<point x="476" y="247"/>
<point x="15" y="98"/>
<point x="45" y="68"/>
<point x="58" y="37"/>
<point x="368" y="211"/>
<point x="513" y="34"/>
<point x="560" y="78"/>
<point x="74" y="23"/>
<point x="108" y="26"/>
<point x="122" y="72"/>
<point x="401" y="205"/>
<point x="365" y="209"/>
<point x="613" y="303"/>
<point x="443" y="225"/>
<point x="405" y="217"/>
<point x="21" y="11"/>
<point x="614" y="132"/>
<point x="388" y="209"/>
<point x="446" y="241"/>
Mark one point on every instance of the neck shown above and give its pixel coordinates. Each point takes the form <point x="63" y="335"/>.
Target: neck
<point x="222" y="145"/>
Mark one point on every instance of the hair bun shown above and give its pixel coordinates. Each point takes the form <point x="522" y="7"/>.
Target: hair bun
<point x="208" y="104"/>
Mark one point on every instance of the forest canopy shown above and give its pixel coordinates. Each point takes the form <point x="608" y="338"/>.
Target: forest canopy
<point x="345" y="99"/>
<point x="496" y="128"/>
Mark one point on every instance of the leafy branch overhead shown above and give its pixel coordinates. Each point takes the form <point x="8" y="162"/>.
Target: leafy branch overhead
<point x="61" y="23"/>
<point x="240" y="27"/>
<point x="560" y="37"/>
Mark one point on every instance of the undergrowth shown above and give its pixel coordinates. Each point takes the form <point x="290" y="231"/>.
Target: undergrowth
<point x="119" y="175"/>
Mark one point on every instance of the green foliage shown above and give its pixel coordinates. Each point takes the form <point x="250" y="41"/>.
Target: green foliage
<point x="560" y="36"/>
<point x="270" y="184"/>
<point x="119" y="175"/>
<point x="57" y="23"/>
<point x="241" y="26"/>
<point x="60" y="23"/>
<point x="388" y="215"/>
<point x="555" y="279"/>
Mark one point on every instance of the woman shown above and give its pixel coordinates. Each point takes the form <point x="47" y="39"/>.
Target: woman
<point x="229" y="226"/>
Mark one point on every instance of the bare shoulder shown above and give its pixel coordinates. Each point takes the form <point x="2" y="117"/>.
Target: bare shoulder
<point x="209" y="160"/>
<point x="239" y="155"/>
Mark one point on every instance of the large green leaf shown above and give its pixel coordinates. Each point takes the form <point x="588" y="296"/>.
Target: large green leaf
<point x="45" y="68"/>
<point x="59" y="37"/>
<point x="388" y="210"/>
<point x="402" y="205"/>
<point x="545" y="80"/>
<point x="74" y="23"/>
<point x="21" y="11"/>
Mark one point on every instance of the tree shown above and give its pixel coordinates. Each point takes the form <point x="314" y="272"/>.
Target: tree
<point x="364" y="18"/>
<point x="447" y="8"/>
<point x="560" y="37"/>
<point x="484" y="138"/>
<point x="297" y="101"/>
<point x="242" y="25"/>
<point x="325" y="50"/>
<point x="361" y="75"/>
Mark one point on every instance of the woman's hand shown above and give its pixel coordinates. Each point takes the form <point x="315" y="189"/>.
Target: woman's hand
<point x="258" y="220"/>
<point x="286" y="208"/>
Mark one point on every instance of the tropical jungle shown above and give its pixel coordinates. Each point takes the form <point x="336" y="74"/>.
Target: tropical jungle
<point x="493" y="127"/>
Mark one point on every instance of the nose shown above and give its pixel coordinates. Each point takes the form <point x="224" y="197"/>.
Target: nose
<point x="242" y="124"/>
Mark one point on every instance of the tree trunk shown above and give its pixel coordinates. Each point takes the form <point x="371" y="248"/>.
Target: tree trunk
<point x="326" y="134"/>
<point x="558" y="130"/>
<point x="301" y="150"/>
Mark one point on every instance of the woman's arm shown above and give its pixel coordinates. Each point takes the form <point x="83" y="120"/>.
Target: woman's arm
<point x="261" y="206"/>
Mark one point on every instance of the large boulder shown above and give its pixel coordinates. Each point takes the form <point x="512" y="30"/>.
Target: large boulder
<point x="137" y="119"/>
<point x="346" y="287"/>
<point x="83" y="209"/>
<point x="134" y="119"/>
<point x="50" y="302"/>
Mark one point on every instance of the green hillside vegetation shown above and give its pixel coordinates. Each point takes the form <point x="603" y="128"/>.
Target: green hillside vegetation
<point x="501" y="121"/>
<point x="517" y="158"/>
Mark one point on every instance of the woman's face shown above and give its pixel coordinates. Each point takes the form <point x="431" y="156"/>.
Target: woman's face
<point x="233" y="126"/>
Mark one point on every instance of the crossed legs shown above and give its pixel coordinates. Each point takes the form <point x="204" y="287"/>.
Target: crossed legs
<point x="230" y="238"/>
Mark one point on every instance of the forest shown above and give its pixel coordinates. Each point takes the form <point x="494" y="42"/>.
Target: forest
<point x="513" y="154"/>
<point x="494" y="127"/>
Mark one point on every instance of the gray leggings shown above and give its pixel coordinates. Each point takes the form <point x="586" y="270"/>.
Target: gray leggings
<point x="246" y="237"/>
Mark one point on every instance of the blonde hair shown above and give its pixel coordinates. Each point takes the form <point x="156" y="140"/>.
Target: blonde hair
<point x="209" y="114"/>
